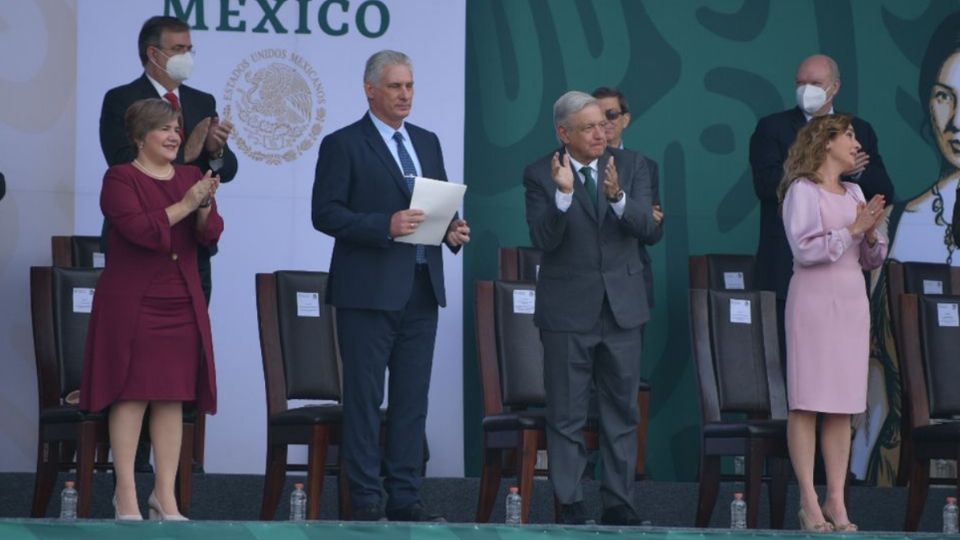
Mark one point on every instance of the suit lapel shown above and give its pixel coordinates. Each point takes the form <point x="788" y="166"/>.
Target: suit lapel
<point x="602" y="204"/>
<point x="379" y="147"/>
<point x="798" y="119"/>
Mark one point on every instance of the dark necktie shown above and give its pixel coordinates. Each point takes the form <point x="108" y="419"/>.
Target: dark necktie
<point x="590" y="184"/>
<point x="409" y="172"/>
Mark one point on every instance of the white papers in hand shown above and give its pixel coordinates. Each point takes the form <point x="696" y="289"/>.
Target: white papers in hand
<point x="439" y="201"/>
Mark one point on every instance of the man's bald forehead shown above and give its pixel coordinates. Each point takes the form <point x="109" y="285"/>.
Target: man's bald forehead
<point x="820" y="63"/>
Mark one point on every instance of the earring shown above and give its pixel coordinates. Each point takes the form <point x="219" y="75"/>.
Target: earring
<point x="140" y="144"/>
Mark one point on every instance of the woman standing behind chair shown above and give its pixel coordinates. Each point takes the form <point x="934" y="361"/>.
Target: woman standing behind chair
<point x="149" y="338"/>
<point x="833" y="234"/>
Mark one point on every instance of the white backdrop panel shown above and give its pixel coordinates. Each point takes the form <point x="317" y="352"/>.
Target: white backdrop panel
<point x="267" y="207"/>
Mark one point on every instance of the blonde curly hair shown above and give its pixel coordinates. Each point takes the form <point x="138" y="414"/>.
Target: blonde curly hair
<point x="809" y="151"/>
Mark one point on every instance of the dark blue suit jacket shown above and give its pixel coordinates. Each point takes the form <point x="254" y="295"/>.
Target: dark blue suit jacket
<point x="358" y="186"/>
<point x="769" y="144"/>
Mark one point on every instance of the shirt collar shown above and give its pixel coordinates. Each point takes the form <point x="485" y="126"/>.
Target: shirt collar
<point x="577" y="165"/>
<point x="160" y="88"/>
<point x="809" y="116"/>
<point x="387" y="131"/>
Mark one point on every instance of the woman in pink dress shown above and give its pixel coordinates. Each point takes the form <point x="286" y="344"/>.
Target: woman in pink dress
<point x="833" y="234"/>
<point x="149" y="337"/>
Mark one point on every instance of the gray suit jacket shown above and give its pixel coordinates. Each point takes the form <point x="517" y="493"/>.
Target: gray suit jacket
<point x="588" y="253"/>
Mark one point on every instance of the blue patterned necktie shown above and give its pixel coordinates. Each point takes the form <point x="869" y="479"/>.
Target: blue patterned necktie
<point x="409" y="172"/>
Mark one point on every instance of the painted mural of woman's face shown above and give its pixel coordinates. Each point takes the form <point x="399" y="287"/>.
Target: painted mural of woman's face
<point x="943" y="109"/>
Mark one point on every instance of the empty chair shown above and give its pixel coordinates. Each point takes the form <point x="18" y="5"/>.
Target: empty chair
<point x="300" y="361"/>
<point x="913" y="278"/>
<point x="930" y="331"/>
<point x="736" y="351"/>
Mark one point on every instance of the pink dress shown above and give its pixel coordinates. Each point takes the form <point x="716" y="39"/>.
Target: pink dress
<point x="827" y="314"/>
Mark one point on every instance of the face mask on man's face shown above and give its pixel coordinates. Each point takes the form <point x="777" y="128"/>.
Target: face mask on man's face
<point x="179" y="66"/>
<point x="811" y="98"/>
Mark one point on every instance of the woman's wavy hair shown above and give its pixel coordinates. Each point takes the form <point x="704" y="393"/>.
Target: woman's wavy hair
<point x="809" y="151"/>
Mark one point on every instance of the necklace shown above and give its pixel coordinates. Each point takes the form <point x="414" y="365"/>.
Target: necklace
<point x="937" y="206"/>
<point x="159" y="176"/>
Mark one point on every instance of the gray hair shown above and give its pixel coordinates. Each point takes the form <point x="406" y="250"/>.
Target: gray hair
<point x="379" y="61"/>
<point x="569" y="104"/>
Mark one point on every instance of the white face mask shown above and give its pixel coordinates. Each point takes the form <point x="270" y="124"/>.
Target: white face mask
<point x="179" y="66"/>
<point x="811" y="98"/>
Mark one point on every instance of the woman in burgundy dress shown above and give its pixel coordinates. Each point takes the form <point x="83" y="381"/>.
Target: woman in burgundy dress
<point x="149" y="339"/>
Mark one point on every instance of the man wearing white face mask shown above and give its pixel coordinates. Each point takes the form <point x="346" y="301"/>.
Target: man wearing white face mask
<point x="166" y="53"/>
<point x="817" y="84"/>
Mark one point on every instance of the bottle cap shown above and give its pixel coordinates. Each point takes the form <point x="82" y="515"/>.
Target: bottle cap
<point x="738" y="496"/>
<point x="514" y="489"/>
<point x="298" y="485"/>
<point x="952" y="500"/>
<point x="68" y="483"/>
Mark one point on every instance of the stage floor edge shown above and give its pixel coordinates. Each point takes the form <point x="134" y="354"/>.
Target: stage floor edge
<point x="37" y="529"/>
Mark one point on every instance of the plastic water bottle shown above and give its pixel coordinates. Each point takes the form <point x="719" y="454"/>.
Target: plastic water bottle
<point x="68" y="502"/>
<point x="950" y="516"/>
<point x="514" y="502"/>
<point x="298" y="503"/>
<point x="738" y="512"/>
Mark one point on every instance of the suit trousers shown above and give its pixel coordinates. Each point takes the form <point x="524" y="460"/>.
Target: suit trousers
<point x="608" y="357"/>
<point x="370" y="342"/>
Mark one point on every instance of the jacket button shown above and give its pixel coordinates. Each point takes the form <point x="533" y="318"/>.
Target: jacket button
<point x="174" y="256"/>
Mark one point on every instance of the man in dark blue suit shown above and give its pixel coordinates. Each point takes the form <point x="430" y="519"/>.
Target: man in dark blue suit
<point x="386" y="293"/>
<point x="817" y="84"/>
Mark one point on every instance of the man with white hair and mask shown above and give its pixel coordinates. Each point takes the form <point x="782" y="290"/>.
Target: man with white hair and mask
<point x="817" y="84"/>
<point x="588" y="207"/>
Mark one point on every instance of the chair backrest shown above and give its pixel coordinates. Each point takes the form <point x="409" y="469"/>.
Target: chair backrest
<point x="77" y="251"/>
<point x="916" y="278"/>
<point x="518" y="263"/>
<point x="931" y="334"/>
<point x="298" y="338"/>
<point x="61" y="300"/>
<point x="722" y="272"/>
<point x="737" y="353"/>
<point x="508" y="346"/>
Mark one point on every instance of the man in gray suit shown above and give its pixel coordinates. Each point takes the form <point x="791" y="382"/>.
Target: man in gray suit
<point x="588" y="206"/>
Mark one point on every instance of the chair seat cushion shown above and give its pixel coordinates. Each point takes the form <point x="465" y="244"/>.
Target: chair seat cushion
<point x="945" y="432"/>
<point x="512" y="421"/>
<point x="63" y="414"/>
<point x="309" y="415"/>
<point x="750" y="428"/>
<point x="314" y="414"/>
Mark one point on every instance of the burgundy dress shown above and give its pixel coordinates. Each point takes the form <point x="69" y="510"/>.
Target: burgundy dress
<point x="149" y="335"/>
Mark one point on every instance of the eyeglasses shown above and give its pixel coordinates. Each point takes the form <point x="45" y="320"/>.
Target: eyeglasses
<point x="178" y="49"/>
<point x="602" y="126"/>
<point x="613" y="114"/>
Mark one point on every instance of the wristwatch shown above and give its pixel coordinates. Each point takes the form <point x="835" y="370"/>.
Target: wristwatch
<point x="615" y="199"/>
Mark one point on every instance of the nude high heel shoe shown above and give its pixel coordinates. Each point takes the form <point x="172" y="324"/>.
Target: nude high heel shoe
<point x="807" y="524"/>
<point x="157" y="513"/>
<point x="840" y="527"/>
<point x="124" y="517"/>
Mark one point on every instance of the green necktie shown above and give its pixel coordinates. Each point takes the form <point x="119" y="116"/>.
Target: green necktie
<point x="590" y="184"/>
